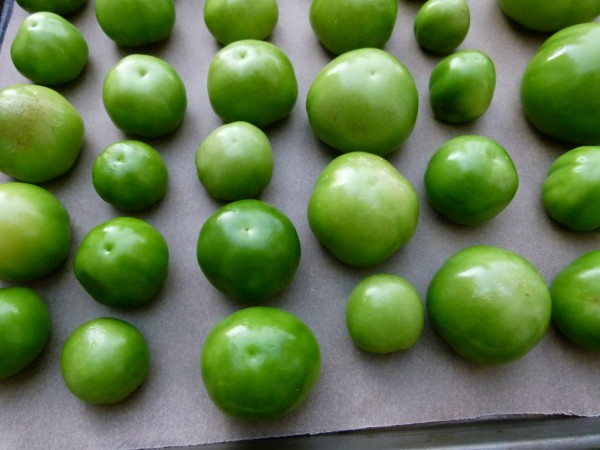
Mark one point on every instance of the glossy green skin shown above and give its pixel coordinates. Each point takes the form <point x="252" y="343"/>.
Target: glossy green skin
<point x="48" y="49"/>
<point x="42" y="133"/>
<point x="61" y="7"/>
<point x="144" y="95"/>
<point x="442" y="25"/>
<point x="549" y="16"/>
<point x="36" y="232"/>
<point x="122" y="263"/>
<point x="104" y="360"/>
<point x="24" y="329"/>
<point x="575" y="307"/>
<point x="235" y="161"/>
<point x="249" y="250"/>
<point x="561" y="85"/>
<point x="130" y="175"/>
<point x="260" y="363"/>
<point x="570" y="192"/>
<point x="461" y="86"/>
<point x="489" y="304"/>
<point x="470" y="179"/>
<point x="344" y="25"/>
<point x="133" y="23"/>
<point x="384" y="314"/>
<point x="234" y="20"/>
<point x="252" y="81"/>
<point x="364" y="100"/>
<point x="362" y="209"/>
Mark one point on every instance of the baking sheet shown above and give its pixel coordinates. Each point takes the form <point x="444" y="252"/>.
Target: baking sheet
<point x="427" y="383"/>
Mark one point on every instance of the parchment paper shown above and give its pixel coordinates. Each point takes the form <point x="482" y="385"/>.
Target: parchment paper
<point x="427" y="383"/>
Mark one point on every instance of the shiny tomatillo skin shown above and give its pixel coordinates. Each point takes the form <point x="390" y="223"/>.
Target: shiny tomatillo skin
<point x="560" y="87"/>
<point x="260" y="363"/>
<point x="575" y="306"/>
<point x="489" y="304"/>
<point x="549" y="16"/>
<point x="571" y="190"/>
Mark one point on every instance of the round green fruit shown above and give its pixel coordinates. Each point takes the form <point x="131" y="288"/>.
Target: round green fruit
<point x="364" y="100"/>
<point x="104" y="360"/>
<point x="48" y="49"/>
<point x="36" y="232"/>
<point x="575" y="307"/>
<point x="384" y="314"/>
<point x="144" y="95"/>
<point x="24" y="329"/>
<point x="235" y="161"/>
<point x="42" y="133"/>
<point x="442" y="25"/>
<point x="470" y="179"/>
<point x="130" y="175"/>
<point x="571" y="190"/>
<point x="133" y="23"/>
<point x="260" y="363"/>
<point x="461" y="86"/>
<point x="489" y="304"/>
<point x="344" y="25"/>
<point x="249" y="250"/>
<point x="362" y="209"/>
<point x="561" y="85"/>
<point x="252" y="81"/>
<point x="235" y="20"/>
<point x="122" y="263"/>
<point x="550" y="16"/>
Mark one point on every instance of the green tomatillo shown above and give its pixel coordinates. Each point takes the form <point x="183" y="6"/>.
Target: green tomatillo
<point x="122" y="263"/>
<point x="235" y="161"/>
<point x="61" y="7"/>
<point x="571" y="189"/>
<point x="48" y="49"/>
<point x="575" y="307"/>
<point x="470" y="179"/>
<point x="461" y="86"/>
<point x="561" y="85"/>
<point x="260" y="363"/>
<point x="364" y="100"/>
<point x="104" y="360"/>
<point x="42" y="133"/>
<point x="130" y="175"/>
<point x="550" y="16"/>
<point x="133" y="23"/>
<point x="489" y="304"/>
<point x="24" y="329"/>
<point x="35" y="230"/>
<point x="235" y="20"/>
<point x="144" y="95"/>
<point x="249" y="250"/>
<point x="362" y="209"/>
<point x="344" y="25"/>
<point x="252" y="81"/>
<point x="442" y="25"/>
<point x="384" y="314"/>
